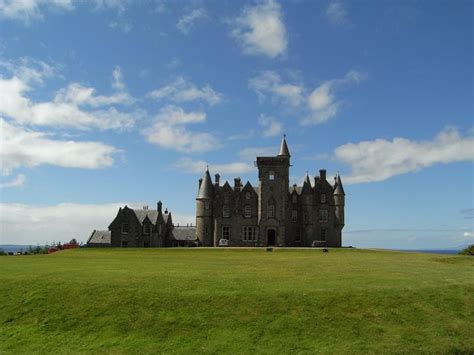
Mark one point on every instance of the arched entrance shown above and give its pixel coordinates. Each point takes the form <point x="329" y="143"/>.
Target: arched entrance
<point x="271" y="237"/>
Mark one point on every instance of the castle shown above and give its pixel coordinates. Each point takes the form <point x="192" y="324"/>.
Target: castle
<point x="272" y="214"/>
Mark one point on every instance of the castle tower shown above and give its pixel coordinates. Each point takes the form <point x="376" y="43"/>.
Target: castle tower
<point x="204" y="213"/>
<point x="273" y="175"/>
<point x="339" y="202"/>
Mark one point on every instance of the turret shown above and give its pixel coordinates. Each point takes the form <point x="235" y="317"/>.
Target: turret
<point x="204" y="216"/>
<point x="339" y="200"/>
<point x="284" y="151"/>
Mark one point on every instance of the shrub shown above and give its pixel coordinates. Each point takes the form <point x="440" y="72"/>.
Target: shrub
<point x="468" y="251"/>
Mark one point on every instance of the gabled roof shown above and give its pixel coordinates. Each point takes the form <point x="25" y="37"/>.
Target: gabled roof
<point x="183" y="233"/>
<point x="306" y="185"/>
<point x="206" y="190"/>
<point x="99" y="237"/>
<point x="142" y="214"/>
<point x="297" y="189"/>
<point x="284" y="151"/>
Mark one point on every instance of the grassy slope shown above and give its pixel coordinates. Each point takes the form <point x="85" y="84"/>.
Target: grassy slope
<point x="234" y="301"/>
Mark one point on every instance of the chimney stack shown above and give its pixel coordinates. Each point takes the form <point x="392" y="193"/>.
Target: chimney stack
<point x="218" y="179"/>
<point x="237" y="184"/>
<point x="322" y="174"/>
<point x="159" y="206"/>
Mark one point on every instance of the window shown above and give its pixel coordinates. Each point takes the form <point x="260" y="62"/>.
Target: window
<point x="225" y="211"/>
<point x="323" y="198"/>
<point x="323" y="215"/>
<point x="271" y="211"/>
<point x="124" y="228"/>
<point x="146" y="229"/>
<point x="225" y="232"/>
<point x="294" y="215"/>
<point x="271" y="175"/>
<point x="124" y="243"/>
<point x="247" y="195"/>
<point x="323" y="235"/>
<point x="249" y="233"/>
<point x="248" y="211"/>
<point x="206" y="230"/>
<point x="294" y="198"/>
<point x="207" y="205"/>
<point x="298" y="235"/>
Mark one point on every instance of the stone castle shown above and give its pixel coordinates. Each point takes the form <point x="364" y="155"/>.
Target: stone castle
<point x="272" y="214"/>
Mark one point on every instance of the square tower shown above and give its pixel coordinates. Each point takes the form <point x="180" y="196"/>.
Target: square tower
<point x="273" y="175"/>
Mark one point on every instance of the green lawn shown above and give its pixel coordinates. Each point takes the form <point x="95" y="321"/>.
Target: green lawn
<point x="236" y="301"/>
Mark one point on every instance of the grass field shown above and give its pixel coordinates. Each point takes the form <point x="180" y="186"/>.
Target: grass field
<point x="236" y="301"/>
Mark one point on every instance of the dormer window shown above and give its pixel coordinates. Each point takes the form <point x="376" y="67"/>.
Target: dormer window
<point x="125" y="228"/>
<point x="146" y="229"/>
<point x="225" y="211"/>
<point x="323" y="198"/>
<point x="248" y="211"/>
<point x="271" y="175"/>
<point x="247" y="195"/>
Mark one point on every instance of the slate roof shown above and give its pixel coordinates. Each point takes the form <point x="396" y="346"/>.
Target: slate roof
<point x="183" y="233"/>
<point x="206" y="189"/>
<point x="99" y="237"/>
<point x="152" y="215"/>
<point x="284" y="151"/>
<point x="339" y="189"/>
<point x="141" y="215"/>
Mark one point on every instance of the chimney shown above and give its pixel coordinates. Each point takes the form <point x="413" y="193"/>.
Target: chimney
<point x="218" y="179"/>
<point x="322" y="174"/>
<point x="166" y="211"/>
<point x="237" y="184"/>
<point x="158" y="206"/>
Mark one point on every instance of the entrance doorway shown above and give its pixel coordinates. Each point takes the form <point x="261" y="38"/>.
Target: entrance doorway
<point x="271" y="237"/>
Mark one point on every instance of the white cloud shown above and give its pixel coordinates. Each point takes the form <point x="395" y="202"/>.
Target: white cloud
<point x="270" y="83"/>
<point x="29" y="70"/>
<point x="193" y="166"/>
<point x="16" y="182"/>
<point x="66" y="109"/>
<point x="188" y="20"/>
<point x="337" y="13"/>
<point x="28" y="10"/>
<point x="182" y="90"/>
<point x="381" y="159"/>
<point x="23" y="147"/>
<point x="260" y="29"/>
<point x="31" y="224"/>
<point x="315" y="107"/>
<point x="169" y="131"/>
<point x="251" y="153"/>
<point x="270" y="126"/>
<point x="322" y="101"/>
<point x="468" y="235"/>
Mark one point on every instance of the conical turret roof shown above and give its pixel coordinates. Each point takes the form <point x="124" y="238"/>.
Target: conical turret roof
<point x="284" y="151"/>
<point x="339" y="189"/>
<point x="206" y="189"/>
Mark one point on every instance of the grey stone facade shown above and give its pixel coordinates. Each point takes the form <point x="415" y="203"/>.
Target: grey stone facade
<point x="273" y="213"/>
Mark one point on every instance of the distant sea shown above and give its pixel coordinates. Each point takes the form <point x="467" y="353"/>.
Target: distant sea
<point x="432" y="251"/>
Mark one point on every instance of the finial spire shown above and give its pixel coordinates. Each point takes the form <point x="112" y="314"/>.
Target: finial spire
<point x="284" y="151"/>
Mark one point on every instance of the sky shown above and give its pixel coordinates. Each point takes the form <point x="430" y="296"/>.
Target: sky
<point x="111" y="102"/>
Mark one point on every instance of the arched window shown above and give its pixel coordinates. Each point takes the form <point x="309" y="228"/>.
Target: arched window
<point x="146" y="229"/>
<point x="271" y="175"/>
<point x="323" y="198"/>
<point x="294" y="215"/>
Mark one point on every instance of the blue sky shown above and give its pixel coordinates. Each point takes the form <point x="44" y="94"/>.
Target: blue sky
<point x="112" y="102"/>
